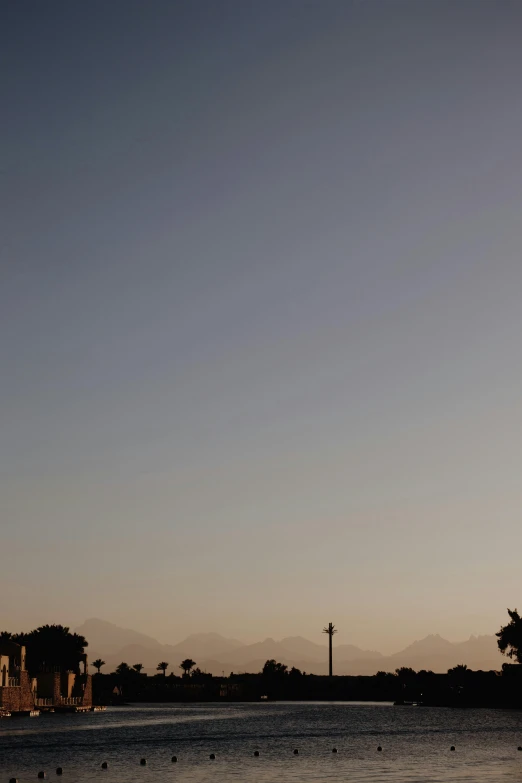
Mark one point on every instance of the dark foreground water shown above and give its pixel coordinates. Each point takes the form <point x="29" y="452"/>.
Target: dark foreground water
<point x="416" y="744"/>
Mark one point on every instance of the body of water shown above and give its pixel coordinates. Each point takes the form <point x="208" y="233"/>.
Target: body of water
<point x="415" y="743"/>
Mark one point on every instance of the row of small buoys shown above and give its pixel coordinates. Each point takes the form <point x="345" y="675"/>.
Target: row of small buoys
<point x="59" y="770"/>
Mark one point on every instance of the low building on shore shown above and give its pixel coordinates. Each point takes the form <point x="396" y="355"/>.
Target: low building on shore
<point x="51" y="688"/>
<point x="17" y="688"/>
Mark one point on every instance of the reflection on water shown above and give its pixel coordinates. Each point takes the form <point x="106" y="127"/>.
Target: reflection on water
<point x="416" y="744"/>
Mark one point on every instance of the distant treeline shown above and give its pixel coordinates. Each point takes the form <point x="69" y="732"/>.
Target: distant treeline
<point x="459" y="687"/>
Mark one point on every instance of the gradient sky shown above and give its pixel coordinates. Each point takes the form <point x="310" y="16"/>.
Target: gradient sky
<point x="260" y="316"/>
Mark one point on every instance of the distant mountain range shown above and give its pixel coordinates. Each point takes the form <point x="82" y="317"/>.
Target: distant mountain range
<point x="217" y="654"/>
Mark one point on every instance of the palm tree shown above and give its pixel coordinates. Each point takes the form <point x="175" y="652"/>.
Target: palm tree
<point x="98" y="663"/>
<point x="138" y="667"/>
<point x="162" y="667"/>
<point x="462" y="668"/>
<point x="187" y="665"/>
<point x="123" y="668"/>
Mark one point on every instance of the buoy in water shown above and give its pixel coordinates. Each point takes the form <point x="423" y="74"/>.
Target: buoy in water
<point x="13" y="780"/>
<point x="59" y="771"/>
<point x="334" y="750"/>
<point x="379" y="749"/>
<point x="174" y="759"/>
<point x="212" y="756"/>
<point x="296" y="752"/>
<point x="452" y="747"/>
<point x="519" y="747"/>
<point x="41" y="775"/>
<point x="256" y="753"/>
<point x="105" y="765"/>
<point x="143" y="762"/>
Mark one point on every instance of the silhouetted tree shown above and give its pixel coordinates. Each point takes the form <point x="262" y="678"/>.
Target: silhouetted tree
<point x="162" y="667"/>
<point x="123" y="669"/>
<point x="510" y="637"/>
<point x="458" y="670"/>
<point x="458" y="673"/>
<point x="6" y="636"/>
<point x="138" y="667"/>
<point x="405" y="673"/>
<point x="52" y="646"/>
<point x="187" y="665"/>
<point x="273" y="668"/>
<point x="294" y="672"/>
<point x="98" y="663"/>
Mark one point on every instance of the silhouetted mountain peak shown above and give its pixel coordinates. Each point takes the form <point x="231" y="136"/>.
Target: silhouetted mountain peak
<point x="108" y="637"/>
<point x="433" y="643"/>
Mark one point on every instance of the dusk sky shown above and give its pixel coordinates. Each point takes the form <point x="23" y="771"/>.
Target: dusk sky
<point x="260" y="316"/>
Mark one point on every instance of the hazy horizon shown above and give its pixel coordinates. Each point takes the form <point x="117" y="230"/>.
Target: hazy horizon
<point x="318" y="638"/>
<point x="260" y="316"/>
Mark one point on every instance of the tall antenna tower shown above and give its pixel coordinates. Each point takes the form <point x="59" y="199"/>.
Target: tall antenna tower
<point x="330" y="630"/>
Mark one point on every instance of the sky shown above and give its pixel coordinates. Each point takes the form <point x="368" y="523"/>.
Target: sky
<point x="260" y="285"/>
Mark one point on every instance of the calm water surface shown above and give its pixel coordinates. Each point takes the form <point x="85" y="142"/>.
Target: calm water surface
<point x="416" y="744"/>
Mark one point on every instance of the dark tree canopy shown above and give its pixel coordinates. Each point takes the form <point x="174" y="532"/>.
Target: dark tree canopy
<point x="162" y="667"/>
<point x="273" y="668"/>
<point x="52" y="646"/>
<point x="458" y="670"/>
<point x="510" y="637"/>
<point x="187" y="665"/>
<point x="405" y="672"/>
